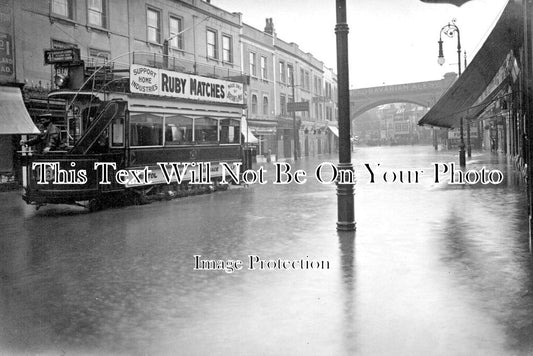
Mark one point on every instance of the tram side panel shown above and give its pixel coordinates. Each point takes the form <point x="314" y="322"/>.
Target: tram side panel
<point x="193" y="155"/>
<point x="65" y="178"/>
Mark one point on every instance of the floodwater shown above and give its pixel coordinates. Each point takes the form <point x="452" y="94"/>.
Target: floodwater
<point x="433" y="269"/>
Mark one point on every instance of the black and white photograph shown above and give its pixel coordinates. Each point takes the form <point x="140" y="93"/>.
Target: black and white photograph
<point x="229" y="177"/>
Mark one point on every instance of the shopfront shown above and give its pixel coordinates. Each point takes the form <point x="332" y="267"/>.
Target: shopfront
<point x="14" y="121"/>
<point x="482" y="107"/>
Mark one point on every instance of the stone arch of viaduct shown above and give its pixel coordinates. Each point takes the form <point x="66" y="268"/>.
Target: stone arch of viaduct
<point x="420" y="93"/>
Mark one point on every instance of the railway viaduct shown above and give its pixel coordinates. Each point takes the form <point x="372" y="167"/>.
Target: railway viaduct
<point x="421" y="93"/>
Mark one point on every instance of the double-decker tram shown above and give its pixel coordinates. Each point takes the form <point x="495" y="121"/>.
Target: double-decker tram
<point x="148" y="133"/>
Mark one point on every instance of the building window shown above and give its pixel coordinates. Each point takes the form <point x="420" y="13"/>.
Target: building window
<point x="307" y="81"/>
<point x="227" y="49"/>
<point x="305" y="113"/>
<point x="63" y="8"/>
<point x="290" y="74"/>
<point x="254" y="104"/>
<point x="302" y="78"/>
<point x="253" y="71"/>
<point x="263" y="68"/>
<point x="212" y="45"/>
<point x="97" y="13"/>
<point x="283" y="104"/>
<point x="282" y="74"/>
<point x="176" y="27"/>
<point x="153" y="23"/>
<point x="265" y="105"/>
<point x="98" y="57"/>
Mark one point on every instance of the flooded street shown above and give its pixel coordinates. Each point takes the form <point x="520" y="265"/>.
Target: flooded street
<point x="434" y="268"/>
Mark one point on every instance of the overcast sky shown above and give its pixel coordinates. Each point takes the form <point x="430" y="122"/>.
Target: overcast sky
<point x="390" y="41"/>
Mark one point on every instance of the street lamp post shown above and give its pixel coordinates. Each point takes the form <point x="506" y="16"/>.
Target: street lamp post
<point x="450" y="30"/>
<point x="345" y="190"/>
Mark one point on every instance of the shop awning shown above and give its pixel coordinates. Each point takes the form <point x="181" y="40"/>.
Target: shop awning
<point x="463" y="94"/>
<point x="245" y="130"/>
<point x="334" y="130"/>
<point x="476" y="110"/>
<point x="14" y="118"/>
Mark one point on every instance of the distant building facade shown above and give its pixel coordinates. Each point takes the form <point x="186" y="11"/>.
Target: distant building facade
<point x="281" y="73"/>
<point x="398" y="124"/>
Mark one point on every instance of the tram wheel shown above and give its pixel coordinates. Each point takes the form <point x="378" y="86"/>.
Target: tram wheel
<point x="140" y="198"/>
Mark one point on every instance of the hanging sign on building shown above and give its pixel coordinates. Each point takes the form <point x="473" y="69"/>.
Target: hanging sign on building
<point x="61" y="55"/>
<point x="160" y="82"/>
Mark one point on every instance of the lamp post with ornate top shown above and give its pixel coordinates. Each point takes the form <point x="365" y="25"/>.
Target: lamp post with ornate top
<point x="451" y="30"/>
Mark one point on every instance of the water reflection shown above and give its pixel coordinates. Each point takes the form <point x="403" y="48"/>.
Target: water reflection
<point x="491" y="270"/>
<point x="434" y="269"/>
<point x="348" y="273"/>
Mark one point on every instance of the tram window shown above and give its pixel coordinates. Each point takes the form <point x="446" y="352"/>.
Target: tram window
<point x="229" y="131"/>
<point x="205" y="130"/>
<point x="178" y="130"/>
<point x="117" y="129"/>
<point x="146" y="130"/>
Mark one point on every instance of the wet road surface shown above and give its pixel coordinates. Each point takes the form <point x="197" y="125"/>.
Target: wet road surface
<point x="434" y="269"/>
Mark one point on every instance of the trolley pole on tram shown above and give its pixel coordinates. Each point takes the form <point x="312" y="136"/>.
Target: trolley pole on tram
<point x="345" y="190"/>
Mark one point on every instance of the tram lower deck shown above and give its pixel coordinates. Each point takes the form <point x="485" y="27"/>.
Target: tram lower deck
<point x="112" y="150"/>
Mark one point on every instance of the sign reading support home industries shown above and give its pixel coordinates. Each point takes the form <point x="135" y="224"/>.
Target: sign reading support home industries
<point x="161" y="82"/>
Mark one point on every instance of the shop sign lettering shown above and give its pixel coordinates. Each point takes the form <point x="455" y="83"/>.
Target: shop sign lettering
<point x="6" y="55"/>
<point x="153" y="81"/>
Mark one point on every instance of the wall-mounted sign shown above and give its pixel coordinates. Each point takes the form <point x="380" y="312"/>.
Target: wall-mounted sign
<point x="6" y="55"/>
<point x="7" y="58"/>
<point x="456" y="134"/>
<point x="153" y="81"/>
<point x="63" y="55"/>
<point x="298" y="106"/>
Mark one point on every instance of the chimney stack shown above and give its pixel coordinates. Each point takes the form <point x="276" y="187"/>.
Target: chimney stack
<point x="269" y="27"/>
